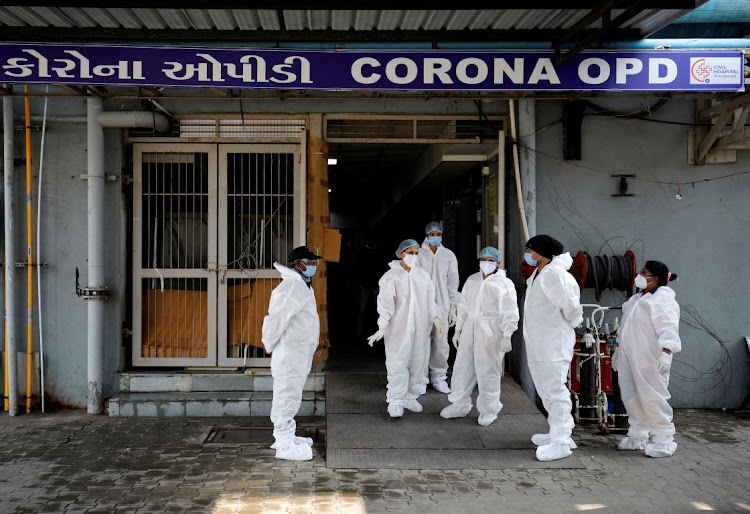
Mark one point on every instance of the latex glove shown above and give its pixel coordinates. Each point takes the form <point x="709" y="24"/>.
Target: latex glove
<point x="439" y="326"/>
<point x="377" y="336"/>
<point x="664" y="363"/>
<point x="452" y="316"/>
<point x="505" y="345"/>
<point x="457" y="336"/>
<point x="615" y="359"/>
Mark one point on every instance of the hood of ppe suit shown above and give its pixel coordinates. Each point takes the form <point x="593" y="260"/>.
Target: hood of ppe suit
<point x="442" y="266"/>
<point x="292" y="312"/>
<point x="551" y="310"/>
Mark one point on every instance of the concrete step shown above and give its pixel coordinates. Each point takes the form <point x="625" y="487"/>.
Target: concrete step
<point x="255" y="380"/>
<point x="207" y="404"/>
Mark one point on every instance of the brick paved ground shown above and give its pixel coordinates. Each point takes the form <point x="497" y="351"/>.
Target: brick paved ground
<point x="70" y="462"/>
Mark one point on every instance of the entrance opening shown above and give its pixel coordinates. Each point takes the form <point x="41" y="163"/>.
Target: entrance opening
<point x="381" y="194"/>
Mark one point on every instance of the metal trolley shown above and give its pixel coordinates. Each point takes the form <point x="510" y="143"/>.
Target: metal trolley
<point x="591" y="365"/>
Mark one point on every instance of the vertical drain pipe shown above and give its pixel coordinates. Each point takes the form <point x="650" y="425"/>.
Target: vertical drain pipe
<point x="95" y="182"/>
<point x="11" y="396"/>
<point x="29" y="257"/>
<point x="527" y="137"/>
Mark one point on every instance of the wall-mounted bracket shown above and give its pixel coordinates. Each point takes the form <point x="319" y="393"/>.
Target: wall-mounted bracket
<point x="91" y="293"/>
<point x="623" y="185"/>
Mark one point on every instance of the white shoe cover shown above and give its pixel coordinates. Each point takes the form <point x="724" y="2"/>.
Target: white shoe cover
<point x="628" y="443"/>
<point x="395" y="411"/>
<point x="455" y="411"/>
<point x="303" y="440"/>
<point x="413" y="405"/>
<point x="660" y="449"/>
<point x="542" y="439"/>
<point x="486" y="420"/>
<point x="441" y="387"/>
<point x="553" y="451"/>
<point x="294" y="452"/>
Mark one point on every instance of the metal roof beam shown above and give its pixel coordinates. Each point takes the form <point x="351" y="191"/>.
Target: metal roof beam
<point x="304" y="4"/>
<point x="30" y="34"/>
<point x="606" y="31"/>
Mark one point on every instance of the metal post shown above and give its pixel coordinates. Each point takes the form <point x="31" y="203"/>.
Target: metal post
<point x="10" y="257"/>
<point x="95" y="182"/>
<point x="527" y="141"/>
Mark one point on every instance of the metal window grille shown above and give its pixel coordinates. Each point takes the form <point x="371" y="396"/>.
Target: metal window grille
<point x="218" y="128"/>
<point x="209" y="222"/>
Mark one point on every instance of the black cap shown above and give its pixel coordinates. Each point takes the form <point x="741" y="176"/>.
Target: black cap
<point x="545" y="246"/>
<point x="302" y="252"/>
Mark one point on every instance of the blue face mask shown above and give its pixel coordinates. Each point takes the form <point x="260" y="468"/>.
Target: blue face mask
<point x="435" y="241"/>
<point x="310" y="270"/>
<point x="529" y="260"/>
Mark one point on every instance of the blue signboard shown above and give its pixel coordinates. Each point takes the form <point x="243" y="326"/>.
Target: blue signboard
<point x="470" y="70"/>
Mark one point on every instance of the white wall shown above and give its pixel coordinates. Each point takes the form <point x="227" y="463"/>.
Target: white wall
<point x="703" y="237"/>
<point x="63" y="248"/>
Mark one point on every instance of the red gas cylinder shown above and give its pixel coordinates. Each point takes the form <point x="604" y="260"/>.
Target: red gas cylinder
<point x="606" y="369"/>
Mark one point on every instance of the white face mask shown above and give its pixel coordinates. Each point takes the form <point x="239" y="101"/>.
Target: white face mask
<point x="487" y="267"/>
<point x="641" y="282"/>
<point x="410" y="259"/>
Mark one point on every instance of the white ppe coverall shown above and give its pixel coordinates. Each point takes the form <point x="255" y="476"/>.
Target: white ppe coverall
<point x="650" y="323"/>
<point x="290" y="331"/>
<point x="488" y="307"/>
<point x="442" y="267"/>
<point x="551" y="310"/>
<point x="406" y="308"/>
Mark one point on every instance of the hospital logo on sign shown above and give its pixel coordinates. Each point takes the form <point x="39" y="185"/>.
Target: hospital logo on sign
<point x="716" y="70"/>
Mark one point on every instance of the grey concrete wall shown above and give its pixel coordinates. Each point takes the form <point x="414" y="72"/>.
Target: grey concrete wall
<point x="63" y="248"/>
<point x="703" y="237"/>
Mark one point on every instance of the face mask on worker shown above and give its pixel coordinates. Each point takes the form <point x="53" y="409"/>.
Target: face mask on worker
<point x="528" y="259"/>
<point x="410" y="259"/>
<point x="641" y="282"/>
<point x="310" y="270"/>
<point x="487" y="267"/>
<point x="435" y="240"/>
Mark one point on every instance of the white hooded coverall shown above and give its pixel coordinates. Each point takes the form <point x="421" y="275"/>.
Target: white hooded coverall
<point x="551" y="310"/>
<point x="488" y="307"/>
<point x="442" y="267"/>
<point x="650" y="322"/>
<point x="406" y="308"/>
<point x="290" y="331"/>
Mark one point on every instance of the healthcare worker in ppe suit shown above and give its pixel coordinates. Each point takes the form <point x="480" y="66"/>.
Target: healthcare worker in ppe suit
<point x="407" y="311"/>
<point x="648" y="337"/>
<point x="551" y="311"/>
<point x="487" y="318"/>
<point x="442" y="266"/>
<point x="290" y="334"/>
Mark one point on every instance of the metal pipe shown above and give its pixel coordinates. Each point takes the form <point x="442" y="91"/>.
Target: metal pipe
<point x="10" y="252"/>
<point x="95" y="183"/>
<point x="501" y="197"/>
<point x="134" y="119"/>
<point x="519" y="194"/>
<point x="527" y="138"/>
<point x="116" y="119"/>
<point x="29" y="257"/>
<point x="39" y="254"/>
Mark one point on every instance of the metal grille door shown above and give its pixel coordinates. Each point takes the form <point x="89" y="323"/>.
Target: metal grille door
<point x="258" y="188"/>
<point x="174" y="255"/>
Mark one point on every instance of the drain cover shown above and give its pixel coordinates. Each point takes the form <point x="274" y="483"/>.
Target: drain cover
<point x="257" y="435"/>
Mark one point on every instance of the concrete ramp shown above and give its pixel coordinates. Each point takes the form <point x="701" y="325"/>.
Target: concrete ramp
<point x="361" y="435"/>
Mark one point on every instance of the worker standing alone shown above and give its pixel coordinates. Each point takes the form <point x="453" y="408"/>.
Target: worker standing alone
<point x="290" y="333"/>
